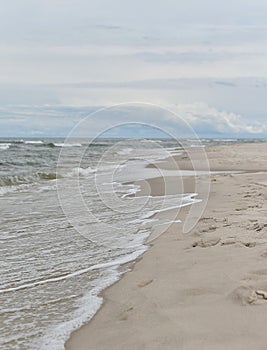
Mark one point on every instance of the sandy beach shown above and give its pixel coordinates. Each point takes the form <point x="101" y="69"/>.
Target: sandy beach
<point x="206" y="289"/>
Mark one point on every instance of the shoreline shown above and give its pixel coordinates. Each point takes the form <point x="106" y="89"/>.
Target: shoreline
<point x="157" y="291"/>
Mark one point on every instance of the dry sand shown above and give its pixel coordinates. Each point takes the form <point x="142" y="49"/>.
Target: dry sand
<point x="203" y="290"/>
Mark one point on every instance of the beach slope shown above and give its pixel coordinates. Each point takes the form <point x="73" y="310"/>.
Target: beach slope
<point x="206" y="289"/>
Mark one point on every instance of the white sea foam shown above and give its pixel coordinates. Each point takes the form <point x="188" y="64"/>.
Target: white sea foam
<point x="11" y="189"/>
<point x="83" y="171"/>
<point x="131" y="191"/>
<point x="116" y="262"/>
<point x="4" y="146"/>
<point x="125" y="151"/>
<point x="168" y="222"/>
<point x="30" y="142"/>
<point x="183" y="203"/>
<point x="197" y="146"/>
<point x="67" y="144"/>
<point x="225" y="140"/>
<point x="55" y="337"/>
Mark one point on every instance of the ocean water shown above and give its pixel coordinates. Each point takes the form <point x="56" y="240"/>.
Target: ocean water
<point x="69" y="227"/>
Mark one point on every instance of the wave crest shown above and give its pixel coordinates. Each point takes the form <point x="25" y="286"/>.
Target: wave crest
<point x="4" y="146"/>
<point x="27" y="178"/>
<point x="52" y="144"/>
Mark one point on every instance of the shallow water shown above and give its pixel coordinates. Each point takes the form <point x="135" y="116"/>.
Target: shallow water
<point x="67" y="228"/>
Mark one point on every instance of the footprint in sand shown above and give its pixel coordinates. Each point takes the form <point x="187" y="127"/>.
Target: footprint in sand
<point x="262" y="294"/>
<point x="207" y="219"/>
<point x="256" y="294"/>
<point x="249" y="244"/>
<point x="145" y="283"/>
<point x="256" y="226"/>
<point x="244" y="295"/>
<point x="125" y="314"/>
<point x="207" y="242"/>
<point x="240" y="209"/>
<point x="208" y="229"/>
<point x="229" y="241"/>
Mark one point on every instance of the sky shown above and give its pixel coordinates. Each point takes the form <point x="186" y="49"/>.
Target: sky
<point x="205" y="60"/>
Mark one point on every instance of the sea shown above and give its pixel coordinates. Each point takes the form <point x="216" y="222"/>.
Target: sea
<point x="72" y="222"/>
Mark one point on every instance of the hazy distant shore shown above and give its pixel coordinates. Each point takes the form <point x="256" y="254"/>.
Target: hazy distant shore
<point x="203" y="290"/>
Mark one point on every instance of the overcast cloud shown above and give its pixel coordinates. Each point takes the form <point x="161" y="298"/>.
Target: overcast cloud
<point x="183" y="54"/>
